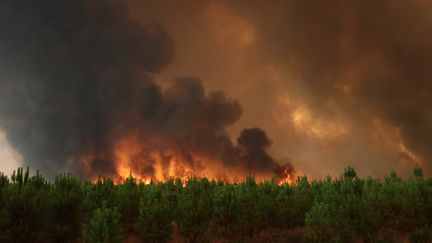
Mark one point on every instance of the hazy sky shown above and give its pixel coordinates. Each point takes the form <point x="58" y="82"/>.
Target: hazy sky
<point x="9" y="158"/>
<point x="333" y="83"/>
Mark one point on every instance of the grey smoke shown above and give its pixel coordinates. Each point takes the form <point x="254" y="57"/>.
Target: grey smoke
<point x="75" y="76"/>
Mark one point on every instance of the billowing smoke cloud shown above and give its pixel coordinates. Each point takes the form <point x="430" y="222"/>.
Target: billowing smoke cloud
<point x="339" y="82"/>
<point x="332" y="82"/>
<point x="254" y="143"/>
<point x="366" y="60"/>
<point x="78" y="92"/>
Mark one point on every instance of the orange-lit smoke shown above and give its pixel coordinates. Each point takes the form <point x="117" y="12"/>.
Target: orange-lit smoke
<point x="97" y="104"/>
<point x="167" y="164"/>
<point x="341" y="65"/>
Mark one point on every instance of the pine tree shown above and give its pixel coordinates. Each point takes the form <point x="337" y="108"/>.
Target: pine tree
<point x="155" y="216"/>
<point x="65" y="211"/>
<point x="104" y="227"/>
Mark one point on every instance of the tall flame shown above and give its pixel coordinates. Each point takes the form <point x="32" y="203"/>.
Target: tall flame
<point x="135" y="159"/>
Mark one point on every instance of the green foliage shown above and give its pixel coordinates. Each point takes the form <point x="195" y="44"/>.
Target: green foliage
<point x="128" y="196"/>
<point x="418" y="172"/>
<point x="194" y="210"/>
<point x="4" y="180"/>
<point x="104" y="227"/>
<point x="22" y="207"/>
<point x="97" y="194"/>
<point x="300" y="199"/>
<point x="226" y="222"/>
<point x="155" y="216"/>
<point x="344" y="209"/>
<point x="64" y="204"/>
<point x="349" y="173"/>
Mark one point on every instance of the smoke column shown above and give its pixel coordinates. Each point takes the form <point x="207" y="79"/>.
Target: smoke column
<point x="334" y="83"/>
<point x="78" y="92"/>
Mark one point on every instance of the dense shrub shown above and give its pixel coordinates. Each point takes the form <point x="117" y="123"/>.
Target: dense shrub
<point x="104" y="227"/>
<point x="343" y="209"/>
<point x="226" y="221"/>
<point x="155" y="216"/>
<point x="128" y="197"/>
<point x="64" y="204"/>
<point x="194" y="210"/>
<point x="23" y="207"/>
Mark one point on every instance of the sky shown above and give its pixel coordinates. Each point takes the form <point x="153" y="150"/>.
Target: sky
<point x="10" y="159"/>
<point x="332" y="83"/>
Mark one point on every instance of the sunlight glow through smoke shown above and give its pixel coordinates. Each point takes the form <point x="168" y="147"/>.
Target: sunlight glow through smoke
<point x="9" y="159"/>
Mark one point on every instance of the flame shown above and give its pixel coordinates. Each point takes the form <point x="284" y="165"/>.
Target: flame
<point x="152" y="165"/>
<point x="146" y="165"/>
<point x="286" y="177"/>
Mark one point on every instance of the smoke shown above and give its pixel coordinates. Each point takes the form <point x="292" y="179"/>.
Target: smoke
<point x="78" y="92"/>
<point x="332" y="82"/>
<point x="360" y="60"/>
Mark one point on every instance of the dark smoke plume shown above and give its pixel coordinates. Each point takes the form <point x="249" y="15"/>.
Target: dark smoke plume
<point x="78" y="76"/>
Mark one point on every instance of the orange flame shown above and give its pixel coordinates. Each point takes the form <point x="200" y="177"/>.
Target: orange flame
<point x="286" y="176"/>
<point x="167" y="164"/>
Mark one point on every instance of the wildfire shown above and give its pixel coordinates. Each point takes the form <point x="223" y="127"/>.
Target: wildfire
<point x="137" y="160"/>
<point x="286" y="176"/>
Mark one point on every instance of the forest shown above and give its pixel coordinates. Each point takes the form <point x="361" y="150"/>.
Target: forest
<point x="342" y="209"/>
